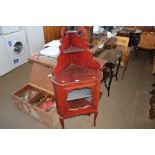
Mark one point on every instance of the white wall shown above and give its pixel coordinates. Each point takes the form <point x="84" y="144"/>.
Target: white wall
<point x="35" y="38"/>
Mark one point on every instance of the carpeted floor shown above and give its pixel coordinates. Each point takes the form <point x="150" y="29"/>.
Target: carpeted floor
<point x="127" y="106"/>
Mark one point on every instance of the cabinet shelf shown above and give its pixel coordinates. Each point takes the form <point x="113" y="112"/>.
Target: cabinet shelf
<point x="76" y="74"/>
<point x="78" y="104"/>
<point x="73" y="49"/>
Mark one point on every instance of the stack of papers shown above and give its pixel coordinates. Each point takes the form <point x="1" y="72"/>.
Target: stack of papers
<point x="50" y="52"/>
<point x="54" y="43"/>
<point x="51" y="49"/>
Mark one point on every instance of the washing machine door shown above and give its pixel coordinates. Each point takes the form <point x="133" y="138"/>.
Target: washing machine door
<point x="18" y="48"/>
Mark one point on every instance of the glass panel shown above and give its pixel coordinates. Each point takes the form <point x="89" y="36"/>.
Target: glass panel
<point x="79" y="98"/>
<point x="79" y="93"/>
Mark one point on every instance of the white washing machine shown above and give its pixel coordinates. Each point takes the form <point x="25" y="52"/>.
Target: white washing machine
<point x="8" y="29"/>
<point x="5" y="63"/>
<point x="16" y="52"/>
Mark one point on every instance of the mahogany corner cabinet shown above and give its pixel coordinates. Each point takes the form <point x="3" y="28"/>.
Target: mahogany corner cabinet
<point x="76" y="77"/>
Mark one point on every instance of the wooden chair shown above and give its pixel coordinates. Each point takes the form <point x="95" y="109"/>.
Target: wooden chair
<point x="153" y="69"/>
<point x="124" y="41"/>
<point x="122" y="45"/>
<point x="147" y="42"/>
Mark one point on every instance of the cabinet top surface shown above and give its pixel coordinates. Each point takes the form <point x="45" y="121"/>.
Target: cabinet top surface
<point x="76" y="74"/>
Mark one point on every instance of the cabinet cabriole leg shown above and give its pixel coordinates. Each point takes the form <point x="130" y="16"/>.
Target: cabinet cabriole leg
<point x="95" y="116"/>
<point x="62" y="122"/>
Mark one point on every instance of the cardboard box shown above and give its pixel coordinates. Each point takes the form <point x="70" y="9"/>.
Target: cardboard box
<point x="31" y="98"/>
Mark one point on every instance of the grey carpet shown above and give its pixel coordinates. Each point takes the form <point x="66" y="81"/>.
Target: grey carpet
<point x="127" y="106"/>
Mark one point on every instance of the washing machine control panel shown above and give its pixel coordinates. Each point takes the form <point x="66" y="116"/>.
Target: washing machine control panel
<point x="15" y="61"/>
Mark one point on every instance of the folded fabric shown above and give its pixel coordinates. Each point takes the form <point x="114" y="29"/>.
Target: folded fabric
<point x="50" y="52"/>
<point x="96" y="30"/>
<point x="54" y="43"/>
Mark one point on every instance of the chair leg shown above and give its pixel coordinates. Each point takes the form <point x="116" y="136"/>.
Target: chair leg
<point x="152" y="56"/>
<point x="124" y="70"/>
<point x="136" y="53"/>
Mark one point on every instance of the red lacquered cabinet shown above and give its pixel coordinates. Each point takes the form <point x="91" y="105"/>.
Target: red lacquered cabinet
<point x="76" y="77"/>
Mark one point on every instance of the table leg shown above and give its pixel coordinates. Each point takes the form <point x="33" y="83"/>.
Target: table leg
<point x="125" y="68"/>
<point x="111" y="77"/>
<point x="119" y="61"/>
<point x="109" y="67"/>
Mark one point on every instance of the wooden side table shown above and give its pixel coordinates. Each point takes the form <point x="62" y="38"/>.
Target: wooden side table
<point x="110" y="59"/>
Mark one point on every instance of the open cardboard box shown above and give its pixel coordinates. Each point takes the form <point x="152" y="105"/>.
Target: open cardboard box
<point x="30" y="98"/>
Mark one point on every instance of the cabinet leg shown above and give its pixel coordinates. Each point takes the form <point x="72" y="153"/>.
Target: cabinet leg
<point x="62" y="122"/>
<point x="95" y="116"/>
